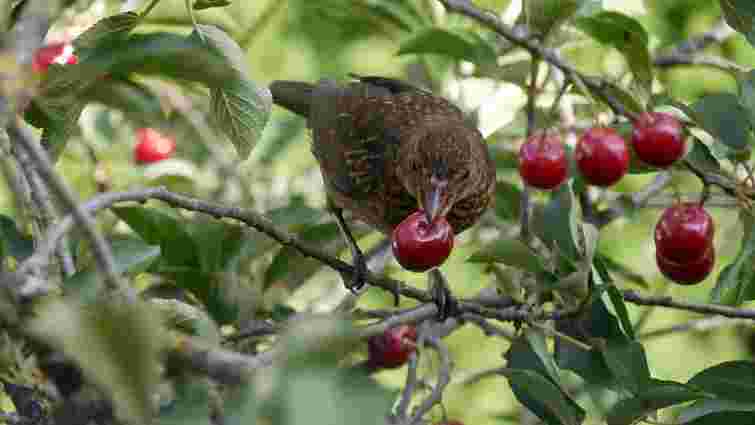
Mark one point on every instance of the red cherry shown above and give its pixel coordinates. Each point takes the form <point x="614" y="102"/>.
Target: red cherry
<point x="61" y="53"/>
<point x="602" y="156"/>
<point x="684" y="232"/>
<point x="658" y="138"/>
<point x="153" y="146"/>
<point x="542" y="161"/>
<point x="392" y="348"/>
<point x="687" y="273"/>
<point x="419" y="245"/>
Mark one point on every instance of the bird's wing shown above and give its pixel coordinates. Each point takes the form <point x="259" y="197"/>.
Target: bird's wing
<point x="350" y="139"/>
<point x="389" y="85"/>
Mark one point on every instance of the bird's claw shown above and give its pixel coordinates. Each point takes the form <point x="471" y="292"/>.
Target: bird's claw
<point x="358" y="276"/>
<point x="448" y="306"/>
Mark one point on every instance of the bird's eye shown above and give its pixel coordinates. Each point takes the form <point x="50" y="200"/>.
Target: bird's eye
<point x="465" y="174"/>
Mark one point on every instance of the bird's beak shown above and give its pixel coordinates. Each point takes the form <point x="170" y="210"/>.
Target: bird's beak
<point x="436" y="199"/>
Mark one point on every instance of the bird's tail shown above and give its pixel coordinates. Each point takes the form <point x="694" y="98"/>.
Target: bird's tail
<point x="296" y="96"/>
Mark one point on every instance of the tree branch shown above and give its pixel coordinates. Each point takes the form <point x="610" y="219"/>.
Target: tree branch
<point x="23" y="139"/>
<point x="666" y="301"/>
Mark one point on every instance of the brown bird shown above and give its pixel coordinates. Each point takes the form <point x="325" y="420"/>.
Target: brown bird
<point x="387" y="148"/>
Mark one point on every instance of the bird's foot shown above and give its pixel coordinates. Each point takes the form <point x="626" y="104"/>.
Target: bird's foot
<point x="448" y="306"/>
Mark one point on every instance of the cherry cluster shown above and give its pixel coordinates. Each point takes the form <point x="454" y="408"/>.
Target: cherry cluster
<point x="602" y="156"/>
<point x="684" y="233"/>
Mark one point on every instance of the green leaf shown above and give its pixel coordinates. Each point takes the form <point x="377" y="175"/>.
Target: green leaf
<point x="736" y="282"/>
<point x="186" y="318"/>
<point x="106" y="31"/>
<point x="191" y="405"/>
<point x="290" y="266"/>
<point x="240" y="108"/>
<point x="12" y="242"/>
<point x="626" y="35"/>
<point x="208" y="4"/>
<point x="511" y="252"/>
<point x="62" y="95"/>
<point x="747" y="93"/>
<point x="728" y="418"/>
<point x="603" y="261"/>
<point x="136" y="101"/>
<point x="457" y="44"/>
<point x="556" y="224"/>
<point x="530" y="352"/>
<point x="543" y="398"/>
<point x="734" y="380"/>
<point x="222" y="294"/>
<point x="595" y="324"/>
<point x="164" y="228"/>
<point x="659" y="395"/>
<point x="701" y="156"/>
<point x="217" y="243"/>
<point x="704" y="411"/>
<point x="131" y="255"/>
<point x="621" y="309"/>
<point x="116" y="344"/>
<point x="542" y="16"/>
<point x="240" y="406"/>
<point x="312" y="381"/>
<point x="625" y="97"/>
<point x="507" y="201"/>
<point x="722" y="116"/>
<point x="628" y="364"/>
<point x="740" y="15"/>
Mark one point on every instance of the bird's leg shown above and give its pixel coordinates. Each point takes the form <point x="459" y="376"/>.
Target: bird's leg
<point x="359" y="277"/>
<point x="447" y="304"/>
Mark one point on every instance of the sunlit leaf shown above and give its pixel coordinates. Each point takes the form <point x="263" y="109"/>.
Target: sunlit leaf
<point x="659" y="395"/>
<point x="740" y="14"/>
<point x="131" y="255"/>
<point x="543" y="398"/>
<point x="736" y="282"/>
<point x="511" y="252"/>
<point x="722" y="116"/>
<point x="734" y="380"/>
<point x="625" y="34"/>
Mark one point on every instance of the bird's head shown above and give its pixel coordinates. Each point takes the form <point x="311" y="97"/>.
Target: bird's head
<point x="442" y="163"/>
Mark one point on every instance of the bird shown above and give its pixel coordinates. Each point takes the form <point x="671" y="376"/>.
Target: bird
<point x="387" y="149"/>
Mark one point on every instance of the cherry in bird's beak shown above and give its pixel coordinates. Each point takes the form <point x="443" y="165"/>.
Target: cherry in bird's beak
<point x="436" y="199"/>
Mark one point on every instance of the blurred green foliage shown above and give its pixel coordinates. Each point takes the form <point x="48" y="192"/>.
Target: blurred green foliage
<point x="245" y="275"/>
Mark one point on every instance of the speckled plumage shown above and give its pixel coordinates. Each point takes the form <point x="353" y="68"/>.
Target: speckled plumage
<point x="378" y="140"/>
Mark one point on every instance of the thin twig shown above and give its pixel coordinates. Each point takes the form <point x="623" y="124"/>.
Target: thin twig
<point x="637" y="200"/>
<point x="685" y="52"/>
<point x="698" y="325"/>
<point x="409" y="388"/>
<point x="44" y="212"/>
<point x="23" y="138"/>
<point x="742" y="313"/>
<point x="444" y="378"/>
<point x="564" y="337"/>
